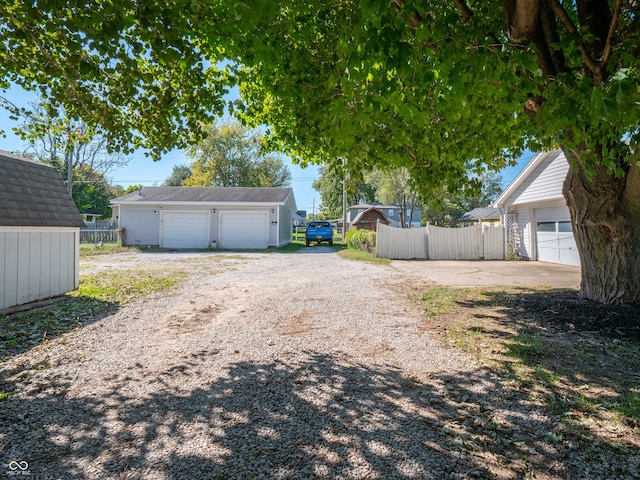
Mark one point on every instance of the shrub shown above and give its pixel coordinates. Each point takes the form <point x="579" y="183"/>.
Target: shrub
<point x="364" y="240"/>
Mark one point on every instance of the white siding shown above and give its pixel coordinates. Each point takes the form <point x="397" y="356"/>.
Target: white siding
<point x="141" y="225"/>
<point x="285" y="225"/>
<point x="545" y="183"/>
<point x="525" y="247"/>
<point x="37" y="263"/>
<point x="273" y="227"/>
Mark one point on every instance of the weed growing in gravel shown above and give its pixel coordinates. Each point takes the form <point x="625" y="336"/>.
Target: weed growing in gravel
<point x="362" y="256"/>
<point x="439" y="300"/>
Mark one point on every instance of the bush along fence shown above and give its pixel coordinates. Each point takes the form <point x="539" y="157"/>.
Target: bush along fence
<point x="437" y="243"/>
<point x="362" y="240"/>
<point x="101" y="232"/>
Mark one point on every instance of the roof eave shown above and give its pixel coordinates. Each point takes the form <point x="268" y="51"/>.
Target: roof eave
<point x="536" y="160"/>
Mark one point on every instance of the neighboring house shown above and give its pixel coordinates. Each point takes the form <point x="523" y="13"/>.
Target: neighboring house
<point x="201" y="217"/>
<point x="536" y="214"/>
<point x="391" y="212"/>
<point x="369" y="219"/>
<point x="489" y="216"/>
<point x="39" y="233"/>
<point x="299" y="220"/>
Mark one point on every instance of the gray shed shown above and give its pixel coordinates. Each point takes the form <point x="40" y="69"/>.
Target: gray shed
<point x="39" y="233"/>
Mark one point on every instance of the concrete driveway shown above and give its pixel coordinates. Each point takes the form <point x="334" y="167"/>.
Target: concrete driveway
<point x="481" y="273"/>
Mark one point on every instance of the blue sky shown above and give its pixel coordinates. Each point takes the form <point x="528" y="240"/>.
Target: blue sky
<point x="141" y="170"/>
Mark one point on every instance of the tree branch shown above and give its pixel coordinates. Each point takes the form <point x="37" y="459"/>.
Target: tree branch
<point x="606" y="54"/>
<point x="463" y="8"/>
<point x="593" y="65"/>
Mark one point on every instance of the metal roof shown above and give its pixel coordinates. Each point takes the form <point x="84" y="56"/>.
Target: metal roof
<point x="32" y="194"/>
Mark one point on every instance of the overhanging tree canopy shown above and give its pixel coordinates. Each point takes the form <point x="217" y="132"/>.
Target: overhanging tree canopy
<point x="445" y="89"/>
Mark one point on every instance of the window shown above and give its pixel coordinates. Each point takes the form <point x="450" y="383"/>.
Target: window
<point x="391" y="212"/>
<point x="564" y="227"/>
<point x="546" y="227"/>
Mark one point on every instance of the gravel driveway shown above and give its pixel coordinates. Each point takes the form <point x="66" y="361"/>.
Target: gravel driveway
<point x="263" y="366"/>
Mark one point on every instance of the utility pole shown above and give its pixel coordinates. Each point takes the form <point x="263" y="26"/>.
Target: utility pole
<point x="69" y="172"/>
<point x="344" y="201"/>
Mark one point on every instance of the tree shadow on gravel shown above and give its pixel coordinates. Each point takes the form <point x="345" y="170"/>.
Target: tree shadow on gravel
<point x="25" y="330"/>
<point x="308" y="415"/>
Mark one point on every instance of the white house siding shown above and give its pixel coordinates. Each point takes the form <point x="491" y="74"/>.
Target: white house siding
<point x="285" y="225"/>
<point x="273" y="227"/>
<point x="141" y="225"/>
<point x="545" y="183"/>
<point x="37" y="263"/>
<point x="525" y="247"/>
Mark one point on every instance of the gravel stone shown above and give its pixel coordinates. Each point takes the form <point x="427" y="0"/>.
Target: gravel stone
<point x="285" y="366"/>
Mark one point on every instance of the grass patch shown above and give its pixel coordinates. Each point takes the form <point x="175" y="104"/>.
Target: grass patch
<point x="588" y="378"/>
<point x="91" y="249"/>
<point x="123" y="286"/>
<point x="293" y="247"/>
<point x="440" y="300"/>
<point x="361" y="256"/>
<point x="97" y="296"/>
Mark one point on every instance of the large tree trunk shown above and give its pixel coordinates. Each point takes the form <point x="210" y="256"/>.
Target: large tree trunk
<point x="606" y="224"/>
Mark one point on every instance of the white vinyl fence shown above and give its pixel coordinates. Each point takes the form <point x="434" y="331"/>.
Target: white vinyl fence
<point x="437" y="243"/>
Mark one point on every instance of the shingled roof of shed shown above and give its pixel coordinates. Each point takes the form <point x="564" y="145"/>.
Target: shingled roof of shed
<point x="33" y="194"/>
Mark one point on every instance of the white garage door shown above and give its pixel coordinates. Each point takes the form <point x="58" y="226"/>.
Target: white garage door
<point x="184" y="230"/>
<point x="244" y="229"/>
<point x="555" y="237"/>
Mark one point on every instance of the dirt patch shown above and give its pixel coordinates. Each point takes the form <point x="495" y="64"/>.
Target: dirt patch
<point x="565" y="310"/>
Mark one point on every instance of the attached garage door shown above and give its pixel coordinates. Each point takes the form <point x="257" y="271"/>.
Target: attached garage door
<point x="244" y="229"/>
<point x="184" y="230"/>
<point x="554" y="236"/>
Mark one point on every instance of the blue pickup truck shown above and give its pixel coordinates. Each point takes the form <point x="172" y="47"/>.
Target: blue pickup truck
<point x="319" y="231"/>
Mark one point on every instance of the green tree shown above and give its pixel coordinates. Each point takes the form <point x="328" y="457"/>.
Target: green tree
<point x="396" y="187"/>
<point x="178" y="175"/>
<point x="329" y="185"/>
<point x="443" y="208"/>
<point x="444" y="89"/>
<point x="231" y="156"/>
<point x="92" y="192"/>
<point x="132" y="188"/>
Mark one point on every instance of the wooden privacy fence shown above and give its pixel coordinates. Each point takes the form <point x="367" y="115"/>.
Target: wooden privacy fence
<point x="437" y="243"/>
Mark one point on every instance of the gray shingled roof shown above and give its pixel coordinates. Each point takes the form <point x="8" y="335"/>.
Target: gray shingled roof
<point x="33" y="194"/>
<point x="206" y="194"/>
<point x="479" y="214"/>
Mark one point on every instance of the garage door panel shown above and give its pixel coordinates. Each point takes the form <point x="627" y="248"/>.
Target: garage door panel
<point x="185" y="230"/>
<point x="554" y="236"/>
<point x="244" y="229"/>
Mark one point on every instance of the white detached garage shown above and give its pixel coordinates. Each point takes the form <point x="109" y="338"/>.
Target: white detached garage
<point x="536" y="214"/>
<point x="201" y="217"/>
